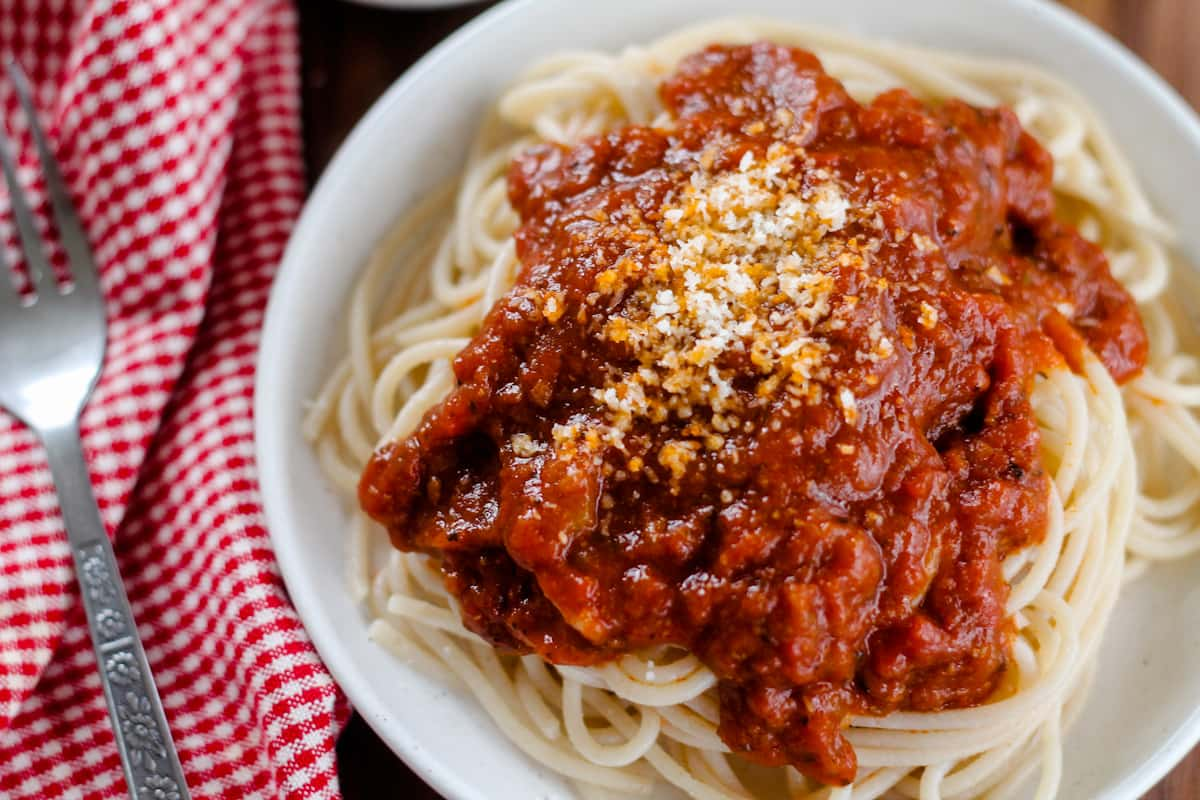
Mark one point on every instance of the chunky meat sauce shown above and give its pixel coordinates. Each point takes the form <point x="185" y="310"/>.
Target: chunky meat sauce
<point x="762" y="391"/>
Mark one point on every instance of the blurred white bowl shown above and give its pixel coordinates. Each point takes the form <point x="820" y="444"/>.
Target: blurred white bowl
<point x="415" y="5"/>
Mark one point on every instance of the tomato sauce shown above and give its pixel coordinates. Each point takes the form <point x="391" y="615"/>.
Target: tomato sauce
<point x="825" y="556"/>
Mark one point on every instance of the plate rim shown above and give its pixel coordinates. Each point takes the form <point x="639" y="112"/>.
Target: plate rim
<point x="269" y="447"/>
<point x="414" y="5"/>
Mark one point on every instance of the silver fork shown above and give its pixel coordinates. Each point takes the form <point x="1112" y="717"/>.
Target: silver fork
<point x="51" y="351"/>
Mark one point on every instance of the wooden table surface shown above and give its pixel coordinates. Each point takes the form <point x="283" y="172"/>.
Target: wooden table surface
<point x="352" y="53"/>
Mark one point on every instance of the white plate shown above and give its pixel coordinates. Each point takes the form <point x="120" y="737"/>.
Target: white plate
<point x="1144" y="711"/>
<point x="415" y="5"/>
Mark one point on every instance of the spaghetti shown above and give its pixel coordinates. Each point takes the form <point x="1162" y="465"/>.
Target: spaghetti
<point x="651" y="717"/>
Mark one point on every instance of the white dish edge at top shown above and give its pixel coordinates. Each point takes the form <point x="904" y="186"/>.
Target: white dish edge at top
<point x="415" y="5"/>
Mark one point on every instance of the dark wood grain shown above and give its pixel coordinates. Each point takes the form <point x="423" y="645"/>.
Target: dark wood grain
<point x="352" y="53"/>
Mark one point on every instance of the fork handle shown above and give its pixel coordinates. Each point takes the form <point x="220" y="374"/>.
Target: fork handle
<point x="148" y="754"/>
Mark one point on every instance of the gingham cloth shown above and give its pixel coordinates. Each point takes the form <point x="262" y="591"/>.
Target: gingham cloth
<point x="177" y="125"/>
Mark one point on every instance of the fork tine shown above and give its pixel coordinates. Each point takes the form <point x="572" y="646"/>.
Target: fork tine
<point x="70" y="230"/>
<point x="40" y="274"/>
<point x="8" y="289"/>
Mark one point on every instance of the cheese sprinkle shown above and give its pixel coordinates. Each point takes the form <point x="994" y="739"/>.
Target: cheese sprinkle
<point x="743" y="285"/>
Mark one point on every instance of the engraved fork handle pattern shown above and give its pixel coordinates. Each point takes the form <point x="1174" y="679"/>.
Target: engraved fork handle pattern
<point x="151" y="764"/>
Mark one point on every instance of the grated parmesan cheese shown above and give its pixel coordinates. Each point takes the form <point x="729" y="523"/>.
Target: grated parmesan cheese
<point x="745" y="271"/>
<point x="524" y="445"/>
<point x="742" y="273"/>
<point x="929" y="316"/>
<point x="997" y="277"/>
<point x="849" y="405"/>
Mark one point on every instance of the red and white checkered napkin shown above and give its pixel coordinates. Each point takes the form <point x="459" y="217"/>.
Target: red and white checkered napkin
<point x="177" y="125"/>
